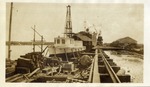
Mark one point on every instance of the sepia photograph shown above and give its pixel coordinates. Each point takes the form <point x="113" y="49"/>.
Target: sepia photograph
<point x="74" y="42"/>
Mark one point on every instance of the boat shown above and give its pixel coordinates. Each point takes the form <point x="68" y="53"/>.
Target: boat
<point x="64" y="47"/>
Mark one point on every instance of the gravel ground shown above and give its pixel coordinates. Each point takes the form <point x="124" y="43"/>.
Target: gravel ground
<point x="132" y="66"/>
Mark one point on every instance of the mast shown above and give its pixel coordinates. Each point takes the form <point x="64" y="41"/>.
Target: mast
<point x="68" y="28"/>
<point x="34" y="41"/>
<point x="9" y="42"/>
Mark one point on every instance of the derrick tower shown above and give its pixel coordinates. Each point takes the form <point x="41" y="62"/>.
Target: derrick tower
<point x="68" y="27"/>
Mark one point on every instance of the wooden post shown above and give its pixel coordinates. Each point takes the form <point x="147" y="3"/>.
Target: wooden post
<point x="66" y="54"/>
<point x="9" y="42"/>
<point x="55" y="51"/>
<point x="34" y="40"/>
<point x="73" y="53"/>
<point x="42" y="44"/>
<point x="78" y="52"/>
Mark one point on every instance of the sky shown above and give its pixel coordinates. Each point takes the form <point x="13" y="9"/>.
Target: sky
<point x="114" y="20"/>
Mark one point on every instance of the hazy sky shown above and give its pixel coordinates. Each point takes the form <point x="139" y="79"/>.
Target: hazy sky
<point x="117" y="20"/>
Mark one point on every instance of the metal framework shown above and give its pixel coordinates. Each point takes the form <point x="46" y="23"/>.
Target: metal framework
<point x="68" y="28"/>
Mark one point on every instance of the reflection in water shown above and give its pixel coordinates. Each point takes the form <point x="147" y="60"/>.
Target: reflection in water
<point x="132" y="65"/>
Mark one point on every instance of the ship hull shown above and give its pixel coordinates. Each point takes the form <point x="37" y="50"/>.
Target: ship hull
<point x="65" y="53"/>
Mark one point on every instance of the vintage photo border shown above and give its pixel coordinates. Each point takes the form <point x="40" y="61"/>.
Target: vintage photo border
<point x="146" y="79"/>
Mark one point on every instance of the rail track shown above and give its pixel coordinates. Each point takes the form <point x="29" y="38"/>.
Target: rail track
<point x="111" y="72"/>
<point x="104" y="70"/>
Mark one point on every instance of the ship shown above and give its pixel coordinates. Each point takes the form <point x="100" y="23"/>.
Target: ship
<point x="72" y="43"/>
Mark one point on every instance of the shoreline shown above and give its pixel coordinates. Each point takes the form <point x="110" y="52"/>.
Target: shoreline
<point x="128" y="53"/>
<point x="131" y="64"/>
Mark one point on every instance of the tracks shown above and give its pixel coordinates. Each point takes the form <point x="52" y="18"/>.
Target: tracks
<point x="101" y="64"/>
<point x="111" y="72"/>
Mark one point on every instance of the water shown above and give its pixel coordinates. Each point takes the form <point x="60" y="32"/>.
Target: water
<point x="16" y="51"/>
<point x="132" y="65"/>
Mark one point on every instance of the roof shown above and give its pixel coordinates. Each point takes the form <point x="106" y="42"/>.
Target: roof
<point x="83" y="37"/>
<point x="127" y="40"/>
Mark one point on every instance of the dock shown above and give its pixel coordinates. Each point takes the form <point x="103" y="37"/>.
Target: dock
<point x="102" y="70"/>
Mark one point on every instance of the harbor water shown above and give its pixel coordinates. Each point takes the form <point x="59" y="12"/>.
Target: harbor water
<point x="16" y="51"/>
<point x="132" y="65"/>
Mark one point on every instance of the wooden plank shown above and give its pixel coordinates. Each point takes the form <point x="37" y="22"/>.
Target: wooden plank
<point x="16" y="78"/>
<point x="9" y="78"/>
<point x="33" y="72"/>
